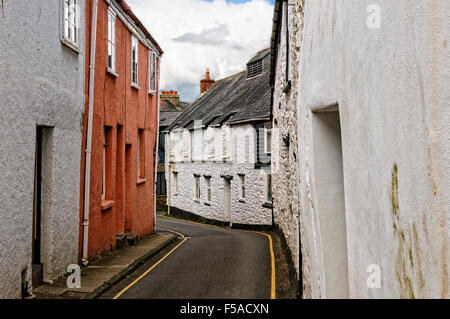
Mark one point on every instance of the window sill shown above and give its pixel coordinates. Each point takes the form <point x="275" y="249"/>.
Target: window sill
<point x="107" y="204"/>
<point x="111" y="72"/>
<point x="152" y="92"/>
<point x="73" y="46"/>
<point x="135" y="86"/>
<point x="267" y="205"/>
<point x="140" y="181"/>
<point x="197" y="200"/>
<point x="207" y="203"/>
<point x="242" y="200"/>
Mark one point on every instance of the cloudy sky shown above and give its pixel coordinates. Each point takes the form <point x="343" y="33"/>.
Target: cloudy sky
<point x="221" y="35"/>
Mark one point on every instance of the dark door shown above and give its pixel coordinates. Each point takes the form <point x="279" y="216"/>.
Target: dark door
<point x="37" y="211"/>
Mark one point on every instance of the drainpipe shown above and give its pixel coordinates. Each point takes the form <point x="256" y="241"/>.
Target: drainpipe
<point x="157" y="143"/>
<point x="87" y="172"/>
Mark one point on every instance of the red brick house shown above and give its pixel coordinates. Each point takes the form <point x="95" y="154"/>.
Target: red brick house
<point x="121" y="85"/>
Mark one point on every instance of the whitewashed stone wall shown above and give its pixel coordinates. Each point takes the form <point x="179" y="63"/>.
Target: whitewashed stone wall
<point x="210" y="142"/>
<point x="285" y="141"/>
<point x="42" y="83"/>
<point x="392" y="88"/>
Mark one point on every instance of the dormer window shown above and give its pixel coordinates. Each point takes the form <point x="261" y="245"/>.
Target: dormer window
<point x="254" y="68"/>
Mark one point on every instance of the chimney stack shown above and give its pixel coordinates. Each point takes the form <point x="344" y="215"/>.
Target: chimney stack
<point x="206" y="83"/>
<point x="171" y="96"/>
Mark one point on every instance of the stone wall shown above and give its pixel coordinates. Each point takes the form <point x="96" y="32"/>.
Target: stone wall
<point x="42" y="84"/>
<point x="285" y="141"/>
<point x="389" y="87"/>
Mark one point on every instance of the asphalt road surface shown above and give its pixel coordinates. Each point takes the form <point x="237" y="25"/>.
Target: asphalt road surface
<point x="212" y="262"/>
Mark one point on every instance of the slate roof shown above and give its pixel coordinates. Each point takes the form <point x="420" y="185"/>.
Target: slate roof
<point x="231" y="100"/>
<point x="167" y="118"/>
<point x="260" y="55"/>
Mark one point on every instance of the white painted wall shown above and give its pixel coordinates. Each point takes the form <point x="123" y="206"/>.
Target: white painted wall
<point x="285" y="169"/>
<point x="208" y="145"/>
<point x="42" y="83"/>
<point x="392" y="86"/>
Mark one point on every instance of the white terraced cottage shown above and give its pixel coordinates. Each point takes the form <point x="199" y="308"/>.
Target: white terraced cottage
<point x="218" y="163"/>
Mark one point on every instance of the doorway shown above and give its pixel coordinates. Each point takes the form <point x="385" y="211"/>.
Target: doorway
<point x="37" y="211"/>
<point x="42" y="196"/>
<point x="330" y="199"/>
<point x="128" y="183"/>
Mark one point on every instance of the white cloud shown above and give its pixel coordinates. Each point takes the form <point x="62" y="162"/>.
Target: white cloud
<point x="196" y="35"/>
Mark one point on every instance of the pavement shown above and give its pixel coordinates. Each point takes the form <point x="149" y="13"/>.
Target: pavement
<point x="101" y="274"/>
<point x="205" y="262"/>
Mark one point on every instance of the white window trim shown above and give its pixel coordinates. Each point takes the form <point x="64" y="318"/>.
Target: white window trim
<point x="73" y="44"/>
<point x="266" y="141"/>
<point x="135" y="84"/>
<point x="112" y="14"/>
<point x="153" y="72"/>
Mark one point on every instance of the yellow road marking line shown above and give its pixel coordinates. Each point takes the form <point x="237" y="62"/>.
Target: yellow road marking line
<point x="152" y="267"/>
<point x="272" y="255"/>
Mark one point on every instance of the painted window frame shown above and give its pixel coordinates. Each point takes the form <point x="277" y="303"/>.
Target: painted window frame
<point x="153" y="72"/>
<point x="267" y="141"/>
<point x="134" y="61"/>
<point x="112" y="40"/>
<point x="71" y="23"/>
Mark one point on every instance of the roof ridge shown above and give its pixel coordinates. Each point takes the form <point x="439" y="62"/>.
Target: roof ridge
<point x="230" y="76"/>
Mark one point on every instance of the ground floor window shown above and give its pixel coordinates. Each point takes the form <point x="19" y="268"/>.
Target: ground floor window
<point x="208" y="188"/>
<point x="242" y="187"/>
<point x="175" y="182"/>
<point x="197" y="187"/>
<point x="268" y="191"/>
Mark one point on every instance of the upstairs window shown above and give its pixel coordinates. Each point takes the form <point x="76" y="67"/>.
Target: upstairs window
<point x="255" y="68"/>
<point x="111" y="40"/>
<point x="153" y="72"/>
<point x="71" y="22"/>
<point x="134" y="61"/>
<point x="267" y="141"/>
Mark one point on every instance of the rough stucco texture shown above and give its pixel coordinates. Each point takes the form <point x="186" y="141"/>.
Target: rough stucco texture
<point x="42" y="83"/>
<point x="252" y="211"/>
<point x="392" y="88"/>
